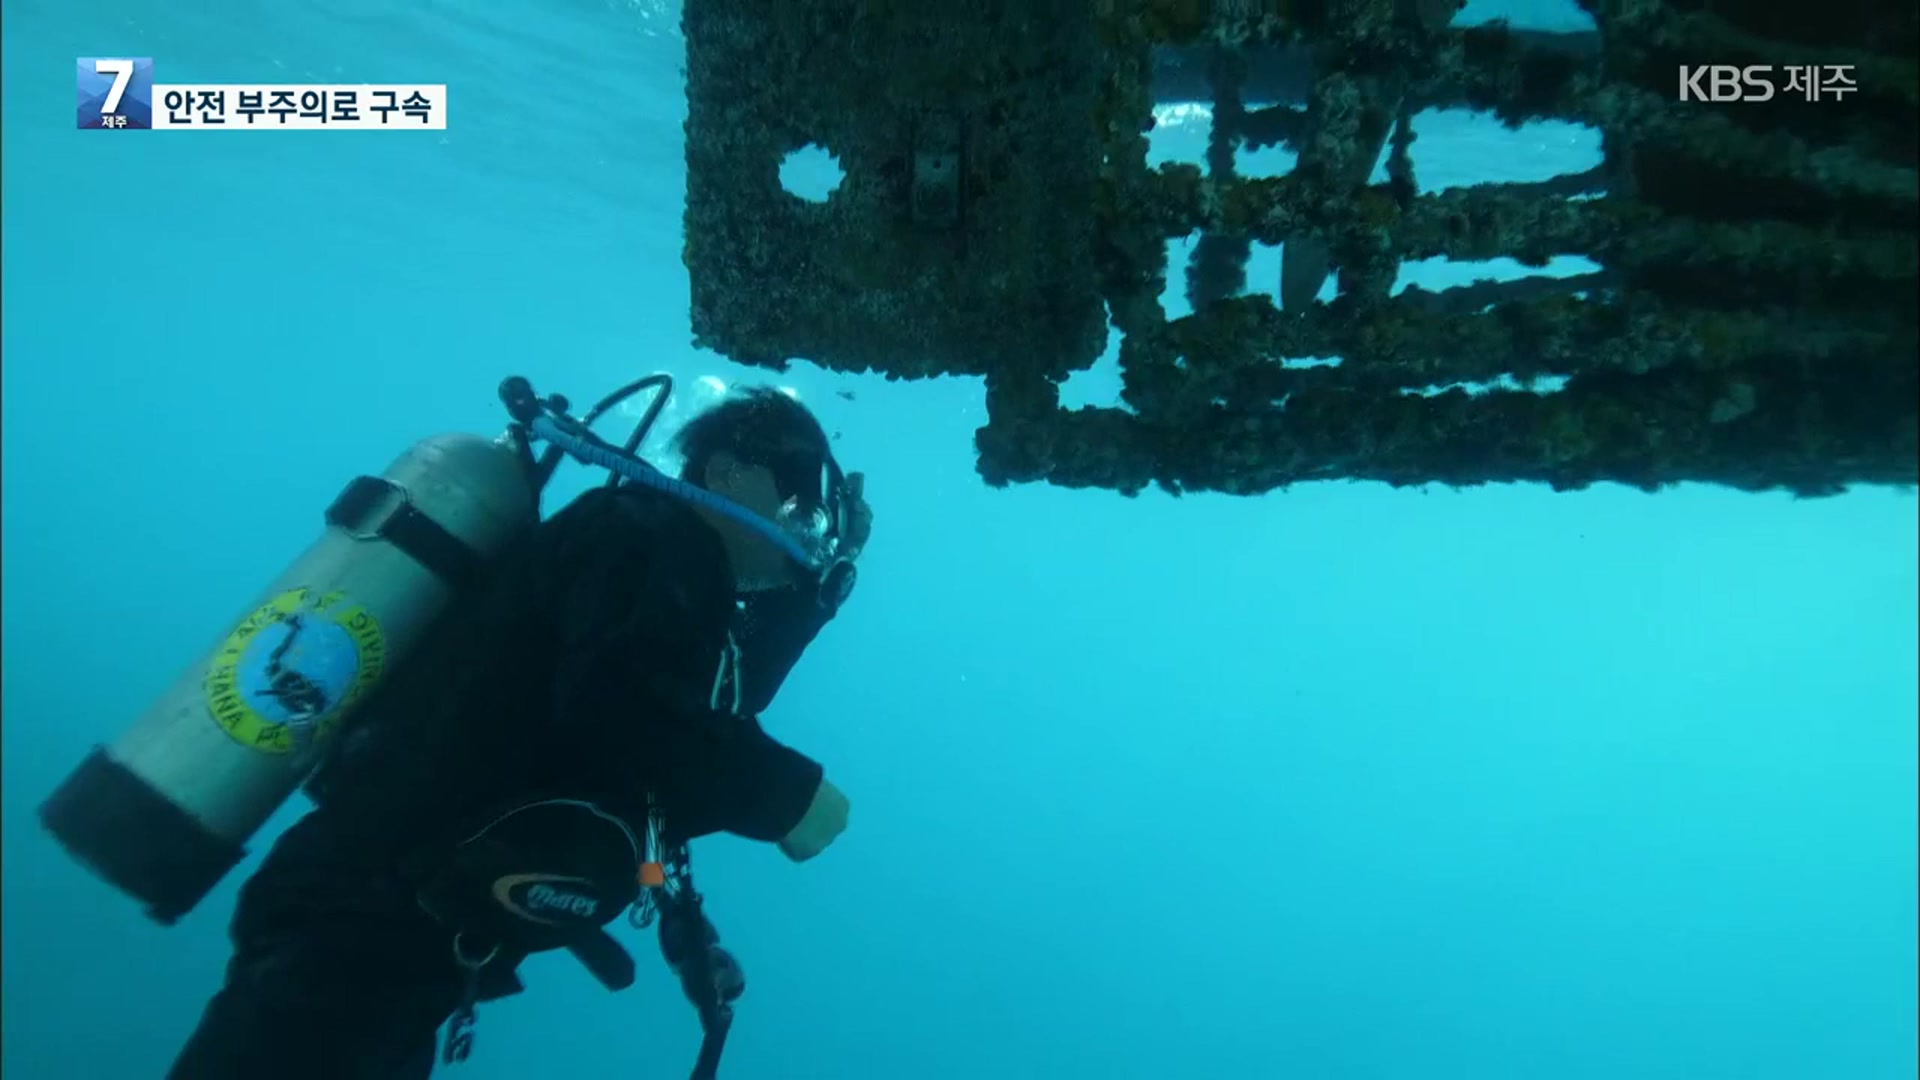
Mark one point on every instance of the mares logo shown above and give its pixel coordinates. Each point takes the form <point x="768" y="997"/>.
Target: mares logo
<point x="547" y="898"/>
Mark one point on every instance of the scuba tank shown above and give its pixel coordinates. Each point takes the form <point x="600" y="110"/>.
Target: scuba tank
<point x="165" y="812"/>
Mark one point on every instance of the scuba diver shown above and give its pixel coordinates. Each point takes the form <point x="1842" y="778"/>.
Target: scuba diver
<point x="590" y="707"/>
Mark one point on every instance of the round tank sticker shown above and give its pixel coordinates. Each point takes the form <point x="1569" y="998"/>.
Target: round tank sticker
<point x="288" y="673"/>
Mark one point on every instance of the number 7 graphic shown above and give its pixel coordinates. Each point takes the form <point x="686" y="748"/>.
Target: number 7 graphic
<point x="115" y="92"/>
<point x="122" y="72"/>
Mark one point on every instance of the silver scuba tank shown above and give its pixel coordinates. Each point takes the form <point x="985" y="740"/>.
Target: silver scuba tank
<point x="166" y="811"/>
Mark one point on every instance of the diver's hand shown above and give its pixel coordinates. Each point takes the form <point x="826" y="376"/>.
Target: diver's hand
<point x="824" y="821"/>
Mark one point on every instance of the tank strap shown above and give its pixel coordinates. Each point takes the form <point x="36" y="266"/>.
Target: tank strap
<point x="373" y="507"/>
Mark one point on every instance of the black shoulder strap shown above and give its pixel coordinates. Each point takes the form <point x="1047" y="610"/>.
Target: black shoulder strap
<point x="374" y="507"/>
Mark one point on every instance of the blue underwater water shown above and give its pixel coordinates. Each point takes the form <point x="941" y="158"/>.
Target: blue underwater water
<point x="1341" y="783"/>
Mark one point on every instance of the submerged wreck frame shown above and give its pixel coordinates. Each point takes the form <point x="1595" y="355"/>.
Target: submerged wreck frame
<point x="1752" y="323"/>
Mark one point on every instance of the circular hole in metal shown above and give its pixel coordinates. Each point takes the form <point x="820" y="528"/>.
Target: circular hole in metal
<point x="811" y="173"/>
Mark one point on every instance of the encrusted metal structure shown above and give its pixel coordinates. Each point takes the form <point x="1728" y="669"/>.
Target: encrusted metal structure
<point x="1752" y="323"/>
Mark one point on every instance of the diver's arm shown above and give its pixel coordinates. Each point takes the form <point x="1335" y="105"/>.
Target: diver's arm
<point x="744" y="783"/>
<point x="641" y="601"/>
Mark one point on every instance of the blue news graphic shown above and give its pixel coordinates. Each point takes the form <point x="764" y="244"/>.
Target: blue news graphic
<point x="116" y="92"/>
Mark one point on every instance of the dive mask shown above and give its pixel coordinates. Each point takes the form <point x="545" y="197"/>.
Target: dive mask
<point x="830" y="528"/>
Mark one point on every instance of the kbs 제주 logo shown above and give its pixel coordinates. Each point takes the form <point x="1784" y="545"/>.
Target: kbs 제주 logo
<point x="118" y="93"/>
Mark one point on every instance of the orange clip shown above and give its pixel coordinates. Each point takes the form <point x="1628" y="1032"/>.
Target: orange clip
<point x="652" y="875"/>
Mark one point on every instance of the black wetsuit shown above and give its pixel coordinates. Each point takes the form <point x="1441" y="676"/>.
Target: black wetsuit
<point x="586" y="668"/>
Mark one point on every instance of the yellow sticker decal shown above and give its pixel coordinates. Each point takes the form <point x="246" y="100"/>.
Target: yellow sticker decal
<point x="287" y="674"/>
